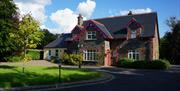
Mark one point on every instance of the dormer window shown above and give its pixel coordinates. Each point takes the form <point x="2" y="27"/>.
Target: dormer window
<point x="133" y="34"/>
<point x="91" y="35"/>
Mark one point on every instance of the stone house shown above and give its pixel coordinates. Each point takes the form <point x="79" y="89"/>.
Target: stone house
<point x="134" y="36"/>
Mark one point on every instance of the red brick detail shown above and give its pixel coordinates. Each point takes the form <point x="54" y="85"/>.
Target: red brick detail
<point x="128" y="34"/>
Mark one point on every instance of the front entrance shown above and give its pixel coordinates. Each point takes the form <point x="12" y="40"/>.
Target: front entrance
<point x="107" y="58"/>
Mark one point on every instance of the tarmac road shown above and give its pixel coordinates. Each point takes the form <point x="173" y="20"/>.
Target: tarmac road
<point x="136" y="80"/>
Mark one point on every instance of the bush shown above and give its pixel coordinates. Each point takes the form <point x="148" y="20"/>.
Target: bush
<point x="76" y="58"/>
<point x="155" y="64"/>
<point x="54" y="59"/>
<point x="15" y="58"/>
<point x="140" y="64"/>
<point x="72" y="59"/>
<point x="27" y="58"/>
<point x="35" y="55"/>
<point x="125" y="62"/>
<point x="159" y="64"/>
<point x="65" y="59"/>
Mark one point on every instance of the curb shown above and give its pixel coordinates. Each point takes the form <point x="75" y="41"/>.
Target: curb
<point x="105" y="78"/>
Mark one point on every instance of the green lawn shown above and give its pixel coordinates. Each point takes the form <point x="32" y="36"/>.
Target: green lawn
<point x="12" y="76"/>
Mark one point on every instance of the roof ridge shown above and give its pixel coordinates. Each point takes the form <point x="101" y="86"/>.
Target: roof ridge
<point x="123" y="16"/>
<point x="97" y="22"/>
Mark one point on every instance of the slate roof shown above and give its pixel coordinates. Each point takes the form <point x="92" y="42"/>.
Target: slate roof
<point x="103" y="28"/>
<point x="115" y="27"/>
<point x="59" y="42"/>
<point x="119" y="23"/>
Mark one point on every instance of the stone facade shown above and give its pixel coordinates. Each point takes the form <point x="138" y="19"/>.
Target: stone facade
<point x="131" y="36"/>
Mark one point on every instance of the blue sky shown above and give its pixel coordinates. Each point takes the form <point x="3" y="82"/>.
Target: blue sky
<point x="60" y="15"/>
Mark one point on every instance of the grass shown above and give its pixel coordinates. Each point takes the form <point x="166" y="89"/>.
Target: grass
<point x="12" y="76"/>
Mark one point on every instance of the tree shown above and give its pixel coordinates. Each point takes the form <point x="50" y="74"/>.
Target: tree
<point x="169" y="44"/>
<point x="8" y="24"/>
<point x="48" y="37"/>
<point x="29" y="33"/>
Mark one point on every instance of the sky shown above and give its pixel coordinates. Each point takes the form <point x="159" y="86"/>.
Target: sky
<point x="60" y="16"/>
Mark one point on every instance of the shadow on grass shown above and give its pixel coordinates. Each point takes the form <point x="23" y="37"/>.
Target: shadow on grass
<point x="79" y="77"/>
<point x="52" y="68"/>
<point x="8" y="80"/>
<point x="6" y="67"/>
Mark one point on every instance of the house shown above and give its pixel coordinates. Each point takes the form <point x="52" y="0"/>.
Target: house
<point x="134" y="36"/>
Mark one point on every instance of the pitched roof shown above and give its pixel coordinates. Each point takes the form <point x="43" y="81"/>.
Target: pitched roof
<point x="59" y="42"/>
<point x="103" y="28"/>
<point x="119" y="23"/>
<point x="114" y="27"/>
<point x="77" y="29"/>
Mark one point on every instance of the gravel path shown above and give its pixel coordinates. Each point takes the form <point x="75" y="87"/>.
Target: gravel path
<point x="32" y="63"/>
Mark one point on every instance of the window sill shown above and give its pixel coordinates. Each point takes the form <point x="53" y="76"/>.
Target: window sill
<point x="89" y="60"/>
<point x="91" y="39"/>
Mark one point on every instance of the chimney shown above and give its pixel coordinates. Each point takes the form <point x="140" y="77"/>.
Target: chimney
<point x="80" y="20"/>
<point x="130" y="13"/>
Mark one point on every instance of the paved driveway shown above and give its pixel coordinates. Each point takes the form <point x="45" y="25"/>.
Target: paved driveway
<point x="136" y="80"/>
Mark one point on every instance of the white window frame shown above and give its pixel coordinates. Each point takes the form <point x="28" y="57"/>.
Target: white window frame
<point x="133" y="34"/>
<point x="91" y="35"/>
<point x="133" y="54"/>
<point x="89" y="55"/>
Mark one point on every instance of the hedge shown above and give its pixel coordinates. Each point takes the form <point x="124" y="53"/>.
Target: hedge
<point x="155" y="64"/>
<point x="35" y="55"/>
<point x="15" y="58"/>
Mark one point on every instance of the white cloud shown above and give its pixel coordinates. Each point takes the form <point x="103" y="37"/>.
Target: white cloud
<point x="35" y="7"/>
<point x="86" y="8"/>
<point x="66" y="19"/>
<point x="136" y="11"/>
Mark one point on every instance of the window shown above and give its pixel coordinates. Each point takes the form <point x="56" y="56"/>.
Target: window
<point x="133" y="34"/>
<point x="90" y="55"/>
<point x="91" y="35"/>
<point x="133" y="54"/>
<point x="56" y="54"/>
<point x="49" y="52"/>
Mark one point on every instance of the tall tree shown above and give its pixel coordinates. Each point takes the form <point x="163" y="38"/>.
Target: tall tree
<point x="48" y="37"/>
<point x="29" y="34"/>
<point x="8" y="24"/>
<point x="169" y="46"/>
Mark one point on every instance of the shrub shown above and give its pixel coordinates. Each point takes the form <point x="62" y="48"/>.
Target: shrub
<point x="155" y="64"/>
<point x="140" y="64"/>
<point x="159" y="64"/>
<point x="27" y="58"/>
<point x="15" y="58"/>
<point x="72" y="59"/>
<point x="35" y="55"/>
<point x="124" y="62"/>
<point x="76" y="58"/>
<point x="65" y="59"/>
<point x="54" y="59"/>
<point x="100" y="58"/>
